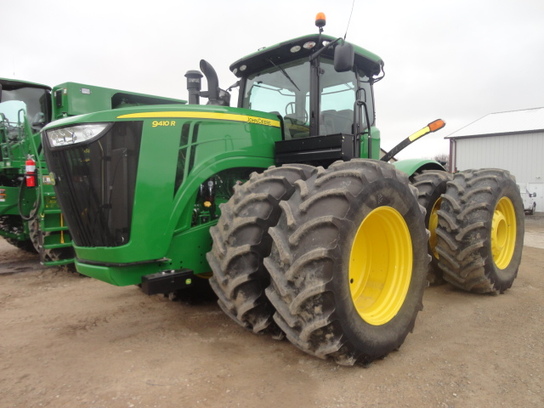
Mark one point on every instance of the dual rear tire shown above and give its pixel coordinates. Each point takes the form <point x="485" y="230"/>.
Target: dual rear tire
<point x="348" y="263"/>
<point x="480" y="231"/>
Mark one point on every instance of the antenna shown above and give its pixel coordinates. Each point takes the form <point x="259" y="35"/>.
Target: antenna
<point x="349" y="19"/>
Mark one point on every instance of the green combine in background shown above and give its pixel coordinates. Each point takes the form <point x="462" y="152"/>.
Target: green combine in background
<point x="30" y="217"/>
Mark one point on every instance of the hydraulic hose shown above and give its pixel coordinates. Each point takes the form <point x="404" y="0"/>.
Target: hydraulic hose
<point x="34" y="210"/>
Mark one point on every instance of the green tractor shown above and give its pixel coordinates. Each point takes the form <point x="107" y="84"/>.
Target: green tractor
<point x="283" y="203"/>
<point x="30" y="217"/>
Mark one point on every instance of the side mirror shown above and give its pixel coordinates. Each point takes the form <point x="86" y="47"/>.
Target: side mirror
<point x="344" y="57"/>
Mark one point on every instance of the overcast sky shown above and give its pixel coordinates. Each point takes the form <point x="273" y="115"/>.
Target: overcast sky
<point x="452" y="59"/>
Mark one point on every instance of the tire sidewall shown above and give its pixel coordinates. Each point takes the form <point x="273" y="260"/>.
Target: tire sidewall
<point x="390" y="335"/>
<point x="503" y="278"/>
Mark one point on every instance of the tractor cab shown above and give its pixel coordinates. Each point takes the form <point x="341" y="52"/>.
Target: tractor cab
<point x="20" y="101"/>
<point x="25" y="108"/>
<point x="321" y="89"/>
<point x="310" y="95"/>
<point x="33" y="98"/>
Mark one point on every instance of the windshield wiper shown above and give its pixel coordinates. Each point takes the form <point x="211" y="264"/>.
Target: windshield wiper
<point x="284" y="73"/>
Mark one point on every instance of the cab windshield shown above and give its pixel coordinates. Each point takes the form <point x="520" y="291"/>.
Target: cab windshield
<point x="12" y="119"/>
<point x="13" y="111"/>
<point x="35" y="100"/>
<point x="285" y="90"/>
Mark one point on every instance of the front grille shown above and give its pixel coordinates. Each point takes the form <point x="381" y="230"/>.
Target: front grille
<point x="95" y="184"/>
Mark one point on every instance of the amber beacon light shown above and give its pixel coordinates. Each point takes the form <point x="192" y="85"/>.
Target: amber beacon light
<point x="320" y="20"/>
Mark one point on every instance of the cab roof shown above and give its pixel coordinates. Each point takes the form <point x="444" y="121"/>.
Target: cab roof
<point x="10" y="84"/>
<point x="294" y="49"/>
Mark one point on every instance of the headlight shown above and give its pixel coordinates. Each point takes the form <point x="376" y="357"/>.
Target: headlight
<point x="75" y="134"/>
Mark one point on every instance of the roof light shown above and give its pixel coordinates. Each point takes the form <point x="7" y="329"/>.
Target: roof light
<point x="295" y="48"/>
<point x="320" y="20"/>
<point x="309" y="45"/>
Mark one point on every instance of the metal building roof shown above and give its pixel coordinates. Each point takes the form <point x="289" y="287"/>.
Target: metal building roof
<point x="518" y="121"/>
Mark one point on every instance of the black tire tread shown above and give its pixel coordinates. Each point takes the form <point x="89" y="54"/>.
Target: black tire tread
<point x="241" y="241"/>
<point x="431" y="184"/>
<point x="464" y="235"/>
<point x="301" y="284"/>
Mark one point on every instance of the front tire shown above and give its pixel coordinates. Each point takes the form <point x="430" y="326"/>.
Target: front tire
<point x="241" y="241"/>
<point x="480" y="231"/>
<point x="349" y="261"/>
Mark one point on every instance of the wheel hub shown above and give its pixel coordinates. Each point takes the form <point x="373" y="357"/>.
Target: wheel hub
<point x="503" y="233"/>
<point x="380" y="269"/>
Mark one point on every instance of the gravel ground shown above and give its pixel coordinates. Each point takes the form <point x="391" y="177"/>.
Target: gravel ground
<point x="70" y="341"/>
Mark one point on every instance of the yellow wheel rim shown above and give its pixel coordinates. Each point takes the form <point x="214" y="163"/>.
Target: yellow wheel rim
<point x="380" y="268"/>
<point x="503" y="233"/>
<point x="433" y="223"/>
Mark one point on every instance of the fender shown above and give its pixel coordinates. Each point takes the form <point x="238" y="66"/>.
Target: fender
<point x="413" y="166"/>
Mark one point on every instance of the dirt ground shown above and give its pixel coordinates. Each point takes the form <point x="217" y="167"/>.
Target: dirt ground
<point x="69" y="341"/>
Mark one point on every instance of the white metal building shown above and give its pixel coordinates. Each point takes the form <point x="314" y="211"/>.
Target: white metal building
<point x="510" y="140"/>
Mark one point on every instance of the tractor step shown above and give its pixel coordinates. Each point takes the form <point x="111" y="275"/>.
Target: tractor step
<point x="55" y="229"/>
<point x="48" y="211"/>
<point x="167" y="281"/>
<point x="56" y="246"/>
